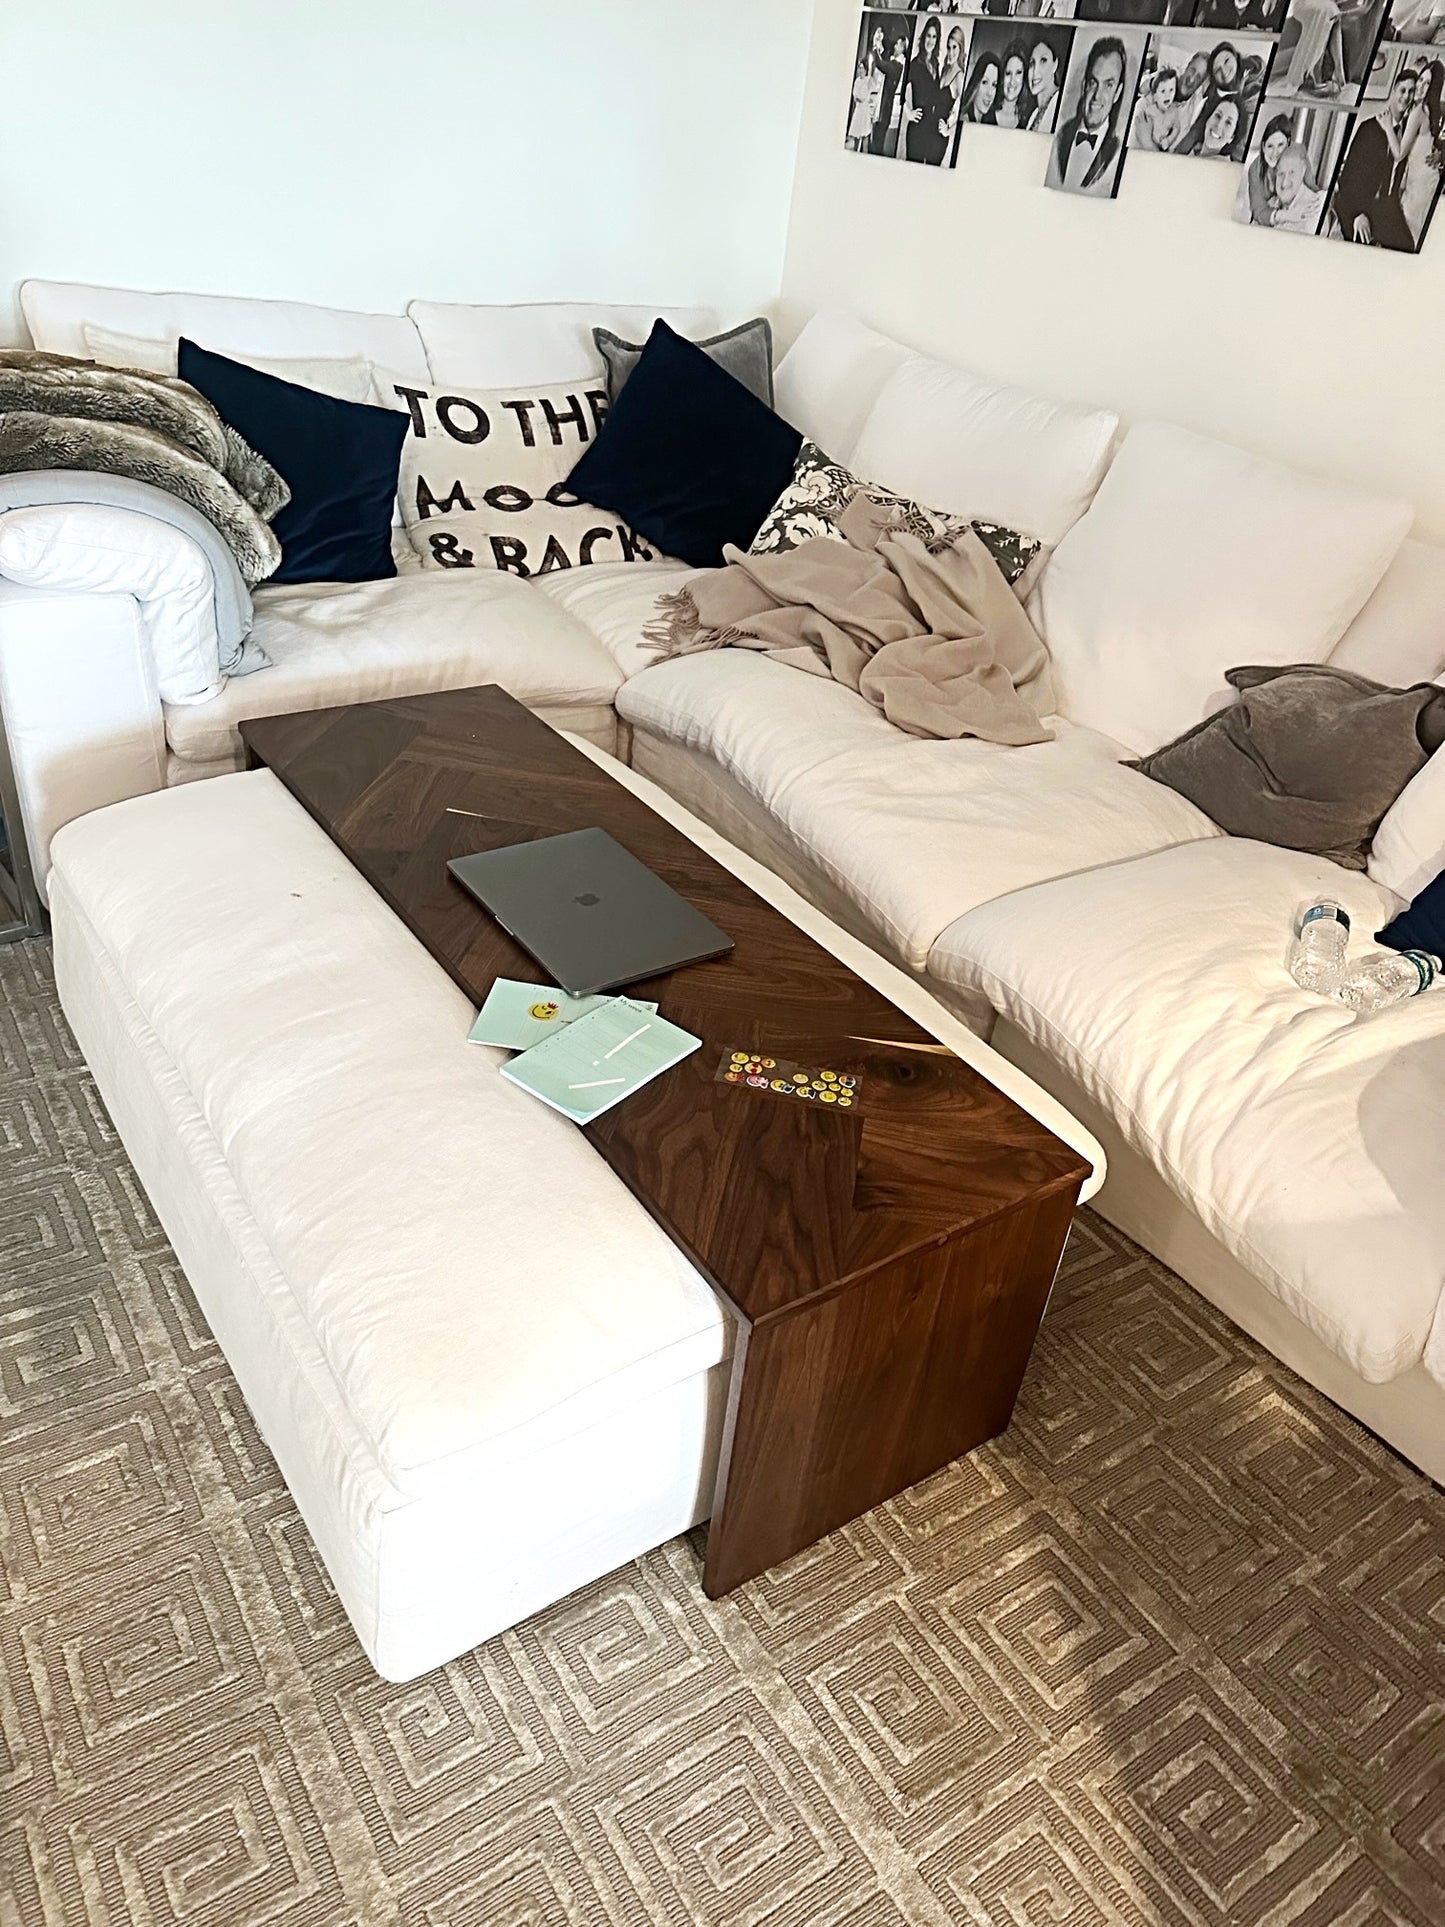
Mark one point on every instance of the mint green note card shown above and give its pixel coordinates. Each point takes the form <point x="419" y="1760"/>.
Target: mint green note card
<point x="601" y="1058"/>
<point x="516" y="1016"/>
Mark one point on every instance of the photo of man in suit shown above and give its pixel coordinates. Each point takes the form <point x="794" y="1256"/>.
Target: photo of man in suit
<point x="1086" y="156"/>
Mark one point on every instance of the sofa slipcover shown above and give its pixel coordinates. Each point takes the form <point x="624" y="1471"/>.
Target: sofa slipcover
<point x="913" y="831"/>
<point x="456" y="1375"/>
<point x="404" y="636"/>
<point x="1306" y="1139"/>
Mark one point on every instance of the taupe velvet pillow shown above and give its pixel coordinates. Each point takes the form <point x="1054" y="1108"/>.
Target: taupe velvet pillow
<point x="1309" y="758"/>
<point x="746" y="353"/>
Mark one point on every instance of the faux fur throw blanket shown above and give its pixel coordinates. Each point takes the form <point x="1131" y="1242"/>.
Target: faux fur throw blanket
<point x="939" y="643"/>
<point x="60" y="413"/>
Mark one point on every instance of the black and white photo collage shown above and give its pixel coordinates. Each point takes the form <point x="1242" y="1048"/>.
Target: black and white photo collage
<point x="1334" y="109"/>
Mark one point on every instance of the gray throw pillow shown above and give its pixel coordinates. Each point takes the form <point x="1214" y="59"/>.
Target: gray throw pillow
<point x="745" y="352"/>
<point x="1309" y="758"/>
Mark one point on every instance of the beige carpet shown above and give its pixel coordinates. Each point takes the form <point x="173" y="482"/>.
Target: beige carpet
<point x="1168" y="1652"/>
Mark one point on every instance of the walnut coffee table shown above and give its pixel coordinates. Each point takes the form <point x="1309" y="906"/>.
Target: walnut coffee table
<point x="887" y="1267"/>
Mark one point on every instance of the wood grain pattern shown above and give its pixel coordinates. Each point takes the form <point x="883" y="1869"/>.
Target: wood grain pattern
<point x="885" y="1266"/>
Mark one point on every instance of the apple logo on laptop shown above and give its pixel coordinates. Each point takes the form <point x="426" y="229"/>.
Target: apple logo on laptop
<point x="587" y="900"/>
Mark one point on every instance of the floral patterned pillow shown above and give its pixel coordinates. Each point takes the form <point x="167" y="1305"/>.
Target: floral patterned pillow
<point x="821" y="489"/>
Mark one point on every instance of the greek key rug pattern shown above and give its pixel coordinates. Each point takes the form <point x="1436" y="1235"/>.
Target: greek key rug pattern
<point x="1168" y="1654"/>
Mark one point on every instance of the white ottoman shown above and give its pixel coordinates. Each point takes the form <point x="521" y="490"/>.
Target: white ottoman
<point x="485" y="1373"/>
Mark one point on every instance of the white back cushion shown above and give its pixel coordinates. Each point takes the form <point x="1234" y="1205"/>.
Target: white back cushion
<point x="1399" y="635"/>
<point x="56" y="313"/>
<point x="535" y="342"/>
<point x="827" y="382"/>
<point x="981" y="448"/>
<point x="1197" y="557"/>
<point x="1409" y="847"/>
<point x="347" y="377"/>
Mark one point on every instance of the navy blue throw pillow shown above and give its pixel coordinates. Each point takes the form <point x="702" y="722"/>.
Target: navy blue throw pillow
<point x="339" y="457"/>
<point x="1422" y="926"/>
<point x="687" y="457"/>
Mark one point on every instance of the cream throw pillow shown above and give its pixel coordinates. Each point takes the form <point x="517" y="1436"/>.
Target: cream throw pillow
<point x="483" y="474"/>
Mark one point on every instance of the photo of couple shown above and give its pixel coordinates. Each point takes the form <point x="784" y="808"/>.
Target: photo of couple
<point x="885" y="43"/>
<point x="1389" y="181"/>
<point x="1086" y="156"/>
<point x="1016" y="75"/>
<point x="1199" y="94"/>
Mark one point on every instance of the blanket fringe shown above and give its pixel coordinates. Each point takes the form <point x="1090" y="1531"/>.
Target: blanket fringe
<point x="677" y="629"/>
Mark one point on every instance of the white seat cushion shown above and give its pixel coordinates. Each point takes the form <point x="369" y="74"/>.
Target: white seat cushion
<point x="1307" y="1140"/>
<point x="976" y="447"/>
<point x="616" y="601"/>
<point x="57" y="311"/>
<point x="1195" y="558"/>
<point x="539" y="341"/>
<point x="456" y="1314"/>
<point x="360" y="642"/>
<point x="913" y="831"/>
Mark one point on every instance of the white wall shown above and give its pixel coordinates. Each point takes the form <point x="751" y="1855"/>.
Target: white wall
<point x="363" y="152"/>
<point x="1323" y="354"/>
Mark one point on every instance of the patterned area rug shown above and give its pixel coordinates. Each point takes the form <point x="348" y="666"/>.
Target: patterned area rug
<point x="1168" y="1652"/>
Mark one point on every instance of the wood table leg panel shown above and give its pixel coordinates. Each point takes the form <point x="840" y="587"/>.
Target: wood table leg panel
<point x="843" y="1402"/>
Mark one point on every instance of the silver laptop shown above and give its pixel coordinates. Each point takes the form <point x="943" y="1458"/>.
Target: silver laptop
<point x="590" y="913"/>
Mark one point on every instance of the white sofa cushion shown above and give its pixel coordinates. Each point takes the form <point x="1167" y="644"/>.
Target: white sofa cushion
<point x="348" y="377"/>
<point x="829" y="379"/>
<point x="335" y="642"/>
<point x="454" y="1317"/>
<point x="82" y="548"/>
<point x="56" y="313"/>
<point x="981" y="448"/>
<point x="1197" y="557"/>
<point x="1307" y="1140"/>
<point x="913" y="832"/>
<point x="1408" y="850"/>
<point x="617" y="601"/>
<point x="1399" y="636"/>
<point x="538" y="341"/>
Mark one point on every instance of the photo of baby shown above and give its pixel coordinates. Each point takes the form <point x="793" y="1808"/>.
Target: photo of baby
<point x="1199" y="94"/>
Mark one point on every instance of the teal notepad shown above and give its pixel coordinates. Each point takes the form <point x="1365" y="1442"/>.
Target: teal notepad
<point x="603" y="1057"/>
<point x="516" y="1015"/>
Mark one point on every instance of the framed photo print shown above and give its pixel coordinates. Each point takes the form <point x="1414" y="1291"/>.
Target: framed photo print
<point x="875" y="101"/>
<point x="1420" y="23"/>
<point x="931" y="95"/>
<point x="1291" y="168"/>
<point x="1386" y="191"/>
<point x="1326" y="49"/>
<point x="1086" y="154"/>
<point x="1199" y="93"/>
<point x="1240" y="16"/>
<point x="1016" y="72"/>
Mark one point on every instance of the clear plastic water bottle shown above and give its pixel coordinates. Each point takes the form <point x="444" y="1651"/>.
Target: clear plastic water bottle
<point x="1388" y="977"/>
<point x="1317" y="955"/>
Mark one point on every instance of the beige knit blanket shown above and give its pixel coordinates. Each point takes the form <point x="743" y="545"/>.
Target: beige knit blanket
<point x="938" y="642"/>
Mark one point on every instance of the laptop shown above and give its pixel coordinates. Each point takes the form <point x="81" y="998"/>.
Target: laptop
<point x="590" y="913"/>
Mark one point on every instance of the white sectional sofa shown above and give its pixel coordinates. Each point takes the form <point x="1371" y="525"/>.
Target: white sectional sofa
<point x="1282" y="1156"/>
